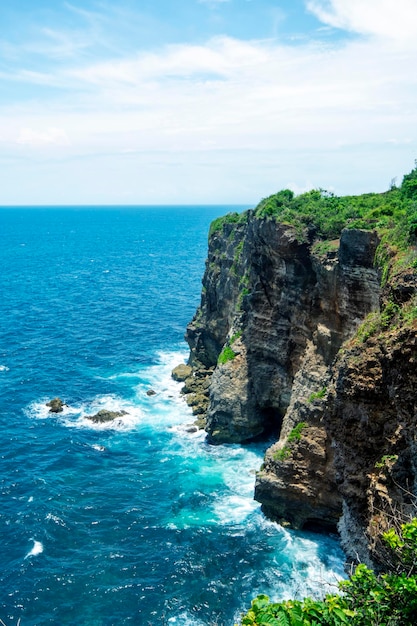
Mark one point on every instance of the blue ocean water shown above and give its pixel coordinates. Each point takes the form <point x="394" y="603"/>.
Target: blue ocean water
<point x="137" y="521"/>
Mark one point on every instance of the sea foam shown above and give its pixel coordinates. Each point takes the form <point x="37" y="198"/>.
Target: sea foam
<point x="37" y="549"/>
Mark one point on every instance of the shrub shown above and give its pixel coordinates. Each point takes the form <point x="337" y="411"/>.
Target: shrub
<point x="322" y="214"/>
<point x="295" y="434"/>
<point x="318" y="395"/>
<point x="229" y="218"/>
<point x="367" y="598"/>
<point x="227" y="354"/>
<point x="283" y="454"/>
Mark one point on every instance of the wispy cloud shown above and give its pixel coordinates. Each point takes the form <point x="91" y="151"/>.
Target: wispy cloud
<point x="239" y="109"/>
<point x="35" y="138"/>
<point x="239" y="95"/>
<point x="392" y="19"/>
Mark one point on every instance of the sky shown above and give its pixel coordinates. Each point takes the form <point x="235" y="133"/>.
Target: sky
<point x="204" y="101"/>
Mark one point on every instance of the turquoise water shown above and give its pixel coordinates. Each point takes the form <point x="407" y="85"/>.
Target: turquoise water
<point x="137" y="521"/>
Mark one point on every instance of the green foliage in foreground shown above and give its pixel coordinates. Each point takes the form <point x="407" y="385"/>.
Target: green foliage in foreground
<point x="366" y="599"/>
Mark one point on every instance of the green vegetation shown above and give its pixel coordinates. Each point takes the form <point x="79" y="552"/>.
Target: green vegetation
<point x="386" y="460"/>
<point x="238" y="251"/>
<point x="328" y="214"/>
<point x="227" y="354"/>
<point x="318" y="395"/>
<point x="234" y="337"/>
<point x="295" y="434"/>
<point x="366" y="599"/>
<point x="320" y="216"/>
<point x="283" y="454"/>
<point x="243" y="292"/>
<point x="230" y="218"/>
<point x="237" y="257"/>
<point x="322" y="248"/>
<point x="391" y="316"/>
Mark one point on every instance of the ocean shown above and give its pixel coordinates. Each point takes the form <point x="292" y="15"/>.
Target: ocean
<point x="135" y="521"/>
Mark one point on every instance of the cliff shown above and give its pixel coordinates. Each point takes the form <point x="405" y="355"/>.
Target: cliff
<point x="302" y="338"/>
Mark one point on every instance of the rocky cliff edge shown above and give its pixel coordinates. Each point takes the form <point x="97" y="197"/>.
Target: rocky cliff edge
<point x="301" y="343"/>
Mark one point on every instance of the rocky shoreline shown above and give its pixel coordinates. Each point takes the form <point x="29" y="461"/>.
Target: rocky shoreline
<point x="275" y="349"/>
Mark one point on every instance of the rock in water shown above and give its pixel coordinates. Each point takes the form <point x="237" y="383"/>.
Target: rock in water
<point x="56" y="405"/>
<point x="181" y="372"/>
<point x="105" y="416"/>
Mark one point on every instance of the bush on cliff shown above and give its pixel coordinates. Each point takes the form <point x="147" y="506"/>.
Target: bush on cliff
<point x="324" y="215"/>
<point x="366" y="599"/>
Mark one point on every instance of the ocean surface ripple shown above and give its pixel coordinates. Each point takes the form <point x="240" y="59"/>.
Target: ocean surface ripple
<point x="135" y="521"/>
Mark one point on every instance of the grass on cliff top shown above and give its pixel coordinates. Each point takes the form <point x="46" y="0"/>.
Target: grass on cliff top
<point x="393" y="213"/>
<point x="320" y="215"/>
<point x="229" y="218"/>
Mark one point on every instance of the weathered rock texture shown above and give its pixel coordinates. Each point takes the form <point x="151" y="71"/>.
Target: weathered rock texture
<point x="372" y="420"/>
<point x="273" y="318"/>
<point x="105" y="416"/>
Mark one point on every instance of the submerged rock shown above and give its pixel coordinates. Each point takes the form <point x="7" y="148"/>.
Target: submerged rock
<point x="56" y="405"/>
<point x="105" y="416"/>
<point x="151" y="392"/>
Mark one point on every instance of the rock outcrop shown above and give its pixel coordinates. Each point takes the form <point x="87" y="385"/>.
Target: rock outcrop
<point x="56" y="405"/>
<point x="104" y="416"/>
<point x="276" y="317"/>
<point x="372" y="420"/>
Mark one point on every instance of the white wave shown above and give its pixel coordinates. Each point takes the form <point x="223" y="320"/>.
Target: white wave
<point x="128" y="421"/>
<point x="37" y="549"/>
<point x="167" y="404"/>
<point x="163" y="409"/>
<point x="39" y="410"/>
<point x="4" y="368"/>
<point x="234" y="509"/>
<point x="76" y="416"/>
<point x="316" y="563"/>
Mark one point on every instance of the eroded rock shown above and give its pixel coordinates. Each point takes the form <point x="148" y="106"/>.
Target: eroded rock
<point x="105" y="416"/>
<point x="181" y="372"/>
<point x="56" y="405"/>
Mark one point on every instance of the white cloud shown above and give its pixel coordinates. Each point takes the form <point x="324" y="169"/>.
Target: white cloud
<point x="37" y="138"/>
<point x="221" y="57"/>
<point x="226" y="116"/>
<point x="393" y="19"/>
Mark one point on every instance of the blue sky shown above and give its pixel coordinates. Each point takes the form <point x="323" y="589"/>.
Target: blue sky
<point x="204" y="101"/>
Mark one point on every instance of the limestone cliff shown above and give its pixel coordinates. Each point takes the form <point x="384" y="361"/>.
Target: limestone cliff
<point x="276" y="342"/>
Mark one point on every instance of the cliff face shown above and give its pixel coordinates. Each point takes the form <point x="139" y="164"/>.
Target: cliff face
<point x="274" y="315"/>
